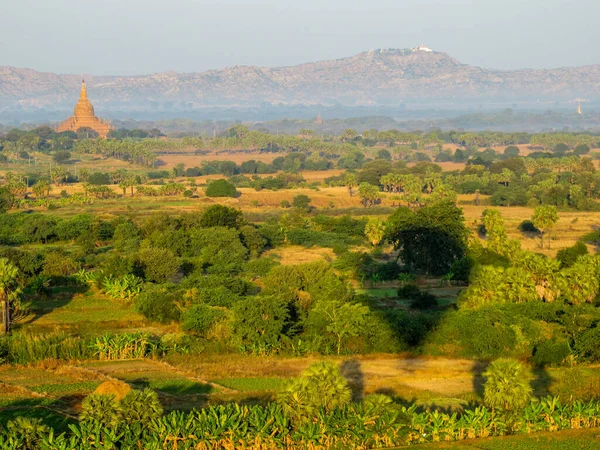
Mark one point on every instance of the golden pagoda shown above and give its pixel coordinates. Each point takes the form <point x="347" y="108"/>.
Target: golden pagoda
<point x="84" y="117"/>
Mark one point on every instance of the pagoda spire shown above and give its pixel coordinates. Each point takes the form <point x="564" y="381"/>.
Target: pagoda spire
<point x="83" y="94"/>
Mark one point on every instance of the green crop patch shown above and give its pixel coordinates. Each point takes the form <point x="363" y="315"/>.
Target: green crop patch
<point x="67" y="388"/>
<point x="253" y="384"/>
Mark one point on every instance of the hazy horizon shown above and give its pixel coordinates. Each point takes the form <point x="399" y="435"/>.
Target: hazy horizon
<point x="139" y="37"/>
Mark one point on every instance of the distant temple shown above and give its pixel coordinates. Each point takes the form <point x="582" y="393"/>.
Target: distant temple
<point x="579" y="107"/>
<point x="319" y="120"/>
<point x="84" y="117"/>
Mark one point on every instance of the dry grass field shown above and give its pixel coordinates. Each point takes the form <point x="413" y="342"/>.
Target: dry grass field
<point x="192" y="160"/>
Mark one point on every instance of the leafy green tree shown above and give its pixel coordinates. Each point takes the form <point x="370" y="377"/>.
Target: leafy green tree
<point x="320" y="386"/>
<point x="261" y="322"/>
<point x="301" y="202"/>
<point x="221" y="216"/>
<point x="511" y="151"/>
<point x="220" y="188"/>
<point x="343" y="320"/>
<point x="126" y="237"/>
<point x="58" y="264"/>
<point x="507" y="385"/>
<point x="158" y="264"/>
<point x="544" y="218"/>
<point x="200" y="318"/>
<point x="218" y="249"/>
<point x="252" y="240"/>
<point x="61" y="156"/>
<point x="430" y="238"/>
<point x="158" y="303"/>
<point x="349" y="134"/>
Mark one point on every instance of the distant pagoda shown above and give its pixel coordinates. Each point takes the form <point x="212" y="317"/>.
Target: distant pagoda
<point x="319" y="120"/>
<point x="84" y="117"/>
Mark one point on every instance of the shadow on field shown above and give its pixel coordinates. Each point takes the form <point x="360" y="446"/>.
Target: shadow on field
<point x="49" y="300"/>
<point x="352" y="371"/>
<point x="478" y="380"/>
<point x="57" y="413"/>
<point x="542" y="382"/>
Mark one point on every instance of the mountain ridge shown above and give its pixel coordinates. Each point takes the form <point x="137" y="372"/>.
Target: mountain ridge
<point x="375" y="77"/>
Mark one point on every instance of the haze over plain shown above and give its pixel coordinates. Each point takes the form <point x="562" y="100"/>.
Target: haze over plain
<point x="146" y="36"/>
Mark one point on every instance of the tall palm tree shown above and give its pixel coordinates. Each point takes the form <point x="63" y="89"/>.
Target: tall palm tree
<point x="9" y="291"/>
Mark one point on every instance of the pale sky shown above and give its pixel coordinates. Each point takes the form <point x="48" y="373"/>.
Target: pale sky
<point x="125" y="37"/>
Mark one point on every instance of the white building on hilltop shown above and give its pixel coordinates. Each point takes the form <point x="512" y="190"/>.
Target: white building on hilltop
<point x="422" y="48"/>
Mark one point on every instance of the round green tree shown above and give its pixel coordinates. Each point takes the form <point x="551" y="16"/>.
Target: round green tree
<point x="220" y="188"/>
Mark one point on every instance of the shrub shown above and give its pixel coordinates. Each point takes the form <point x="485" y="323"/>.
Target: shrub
<point x="100" y="409"/>
<point x="221" y="216"/>
<point x="57" y="264"/>
<point x="586" y="345"/>
<point x="61" y="157"/>
<point x="99" y="179"/>
<point x="423" y="301"/>
<point x="157" y="302"/>
<point x="126" y="237"/>
<point x="200" y="318"/>
<point x="220" y="188"/>
<point x="581" y="149"/>
<point x="461" y="269"/>
<point x="301" y="201"/>
<point x="409" y="292"/>
<point x="260" y="322"/>
<point x="140" y="407"/>
<point x="527" y="226"/>
<point x="551" y="353"/>
<point x="158" y="264"/>
<point x="259" y="267"/>
<point x="568" y="256"/>
<point x="591" y="238"/>
<point x="193" y="172"/>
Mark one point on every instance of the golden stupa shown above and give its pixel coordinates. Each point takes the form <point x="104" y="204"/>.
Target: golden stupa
<point x="83" y="116"/>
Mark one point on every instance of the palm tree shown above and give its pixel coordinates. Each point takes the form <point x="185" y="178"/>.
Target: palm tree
<point x="9" y="291"/>
<point x="507" y="386"/>
<point x="544" y="218"/>
<point x="350" y="182"/>
<point x="375" y="230"/>
<point x="320" y="386"/>
<point x="41" y="187"/>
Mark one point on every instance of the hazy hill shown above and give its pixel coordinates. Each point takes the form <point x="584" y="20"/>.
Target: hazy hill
<point x="380" y="77"/>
